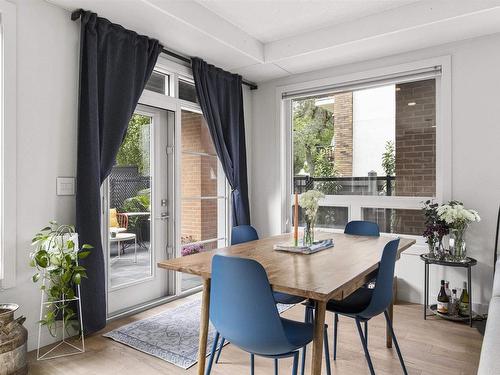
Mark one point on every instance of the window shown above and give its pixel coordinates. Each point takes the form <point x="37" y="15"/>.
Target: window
<point x="8" y="144"/>
<point x="187" y="91"/>
<point x="158" y="82"/>
<point x="203" y="192"/>
<point x="370" y="147"/>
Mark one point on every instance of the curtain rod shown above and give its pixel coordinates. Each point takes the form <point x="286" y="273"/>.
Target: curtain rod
<point x="77" y="13"/>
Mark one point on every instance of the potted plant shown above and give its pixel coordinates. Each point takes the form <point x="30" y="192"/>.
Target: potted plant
<point x="55" y="258"/>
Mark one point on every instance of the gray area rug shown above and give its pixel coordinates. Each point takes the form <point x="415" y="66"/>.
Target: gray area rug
<point x="171" y="335"/>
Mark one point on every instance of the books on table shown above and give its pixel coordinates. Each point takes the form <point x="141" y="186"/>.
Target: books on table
<point x="314" y="248"/>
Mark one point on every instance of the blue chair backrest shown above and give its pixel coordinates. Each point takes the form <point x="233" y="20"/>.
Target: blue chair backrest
<point x="362" y="228"/>
<point x="242" y="306"/>
<point x="243" y="233"/>
<point x="383" y="293"/>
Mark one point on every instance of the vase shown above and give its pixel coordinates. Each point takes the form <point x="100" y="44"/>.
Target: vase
<point x="308" y="239"/>
<point x="457" y="244"/>
<point x="13" y="337"/>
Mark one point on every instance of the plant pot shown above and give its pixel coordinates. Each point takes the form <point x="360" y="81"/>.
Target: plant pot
<point x="13" y="337"/>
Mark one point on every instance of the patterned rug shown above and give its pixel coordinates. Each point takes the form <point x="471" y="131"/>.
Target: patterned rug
<point x="171" y="335"/>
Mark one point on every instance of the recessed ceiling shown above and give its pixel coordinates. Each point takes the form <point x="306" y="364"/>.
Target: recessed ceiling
<point x="269" y="21"/>
<point x="264" y="39"/>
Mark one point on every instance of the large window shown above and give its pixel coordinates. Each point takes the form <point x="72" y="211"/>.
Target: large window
<point x="370" y="148"/>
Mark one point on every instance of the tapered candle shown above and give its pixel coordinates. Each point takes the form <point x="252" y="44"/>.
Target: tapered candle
<point x="296" y="221"/>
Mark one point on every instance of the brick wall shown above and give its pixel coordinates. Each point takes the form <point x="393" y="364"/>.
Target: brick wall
<point x="343" y="133"/>
<point x="416" y="139"/>
<point x="198" y="179"/>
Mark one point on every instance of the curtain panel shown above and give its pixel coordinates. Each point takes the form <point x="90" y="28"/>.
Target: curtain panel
<point x="115" y="65"/>
<point x="221" y="99"/>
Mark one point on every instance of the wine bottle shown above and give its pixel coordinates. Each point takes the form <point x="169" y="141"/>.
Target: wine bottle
<point x="454" y="303"/>
<point x="442" y="300"/>
<point x="448" y="293"/>
<point x="464" y="301"/>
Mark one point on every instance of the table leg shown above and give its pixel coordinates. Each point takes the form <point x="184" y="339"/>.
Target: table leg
<point x="319" y="327"/>
<point x="204" y="319"/>
<point x="469" y="286"/>
<point x="390" y="310"/>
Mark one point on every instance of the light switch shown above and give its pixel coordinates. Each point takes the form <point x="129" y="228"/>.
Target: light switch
<point x="65" y="186"/>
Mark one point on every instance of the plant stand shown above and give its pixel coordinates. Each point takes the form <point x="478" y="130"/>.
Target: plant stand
<point x="73" y="349"/>
<point x="446" y="263"/>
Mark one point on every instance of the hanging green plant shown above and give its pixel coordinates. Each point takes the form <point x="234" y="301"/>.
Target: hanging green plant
<point x="55" y="258"/>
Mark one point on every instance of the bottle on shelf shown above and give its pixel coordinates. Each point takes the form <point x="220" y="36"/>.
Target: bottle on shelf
<point x="448" y="293"/>
<point x="454" y="304"/>
<point x="442" y="300"/>
<point x="464" y="301"/>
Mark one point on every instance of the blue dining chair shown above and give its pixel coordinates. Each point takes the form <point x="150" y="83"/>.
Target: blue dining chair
<point x="247" y="233"/>
<point x="365" y="303"/>
<point x="243" y="309"/>
<point x="358" y="228"/>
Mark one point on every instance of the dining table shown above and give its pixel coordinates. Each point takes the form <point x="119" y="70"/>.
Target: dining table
<point x="333" y="273"/>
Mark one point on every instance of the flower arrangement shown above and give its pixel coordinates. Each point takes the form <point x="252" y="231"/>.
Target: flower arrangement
<point x="449" y="218"/>
<point x="192" y="249"/>
<point x="456" y="216"/>
<point x="309" y="201"/>
<point x="435" y="228"/>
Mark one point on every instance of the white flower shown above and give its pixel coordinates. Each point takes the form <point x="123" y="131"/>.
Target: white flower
<point x="456" y="215"/>
<point x="309" y="201"/>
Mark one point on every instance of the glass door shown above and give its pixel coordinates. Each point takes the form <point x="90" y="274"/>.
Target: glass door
<point x="139" y="229"/>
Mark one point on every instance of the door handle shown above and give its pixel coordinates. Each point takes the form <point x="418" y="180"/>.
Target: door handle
<point x="163" y="216"/>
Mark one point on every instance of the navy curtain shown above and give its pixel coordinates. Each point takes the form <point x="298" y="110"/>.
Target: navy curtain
<point x="115" y="65"/>
<point x="221" y="99"/>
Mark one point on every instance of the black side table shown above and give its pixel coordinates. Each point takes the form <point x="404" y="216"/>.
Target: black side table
<point x="469" y="263"/>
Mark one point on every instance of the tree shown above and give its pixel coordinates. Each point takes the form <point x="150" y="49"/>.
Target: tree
<point x="312" y="134"/>
<point x="132" y="150"/>
<point x="389" y="159"/>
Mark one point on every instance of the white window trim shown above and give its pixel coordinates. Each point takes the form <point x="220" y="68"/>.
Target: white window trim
<point x="356" y="202"/>
<point x="8" y="171"/>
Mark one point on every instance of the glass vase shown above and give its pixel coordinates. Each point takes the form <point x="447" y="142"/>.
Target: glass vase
<point x="457" y="235"/>
<point x="308" y="239"/>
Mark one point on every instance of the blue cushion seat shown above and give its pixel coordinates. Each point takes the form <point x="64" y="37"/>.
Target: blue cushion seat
<point x="353" y="304"/>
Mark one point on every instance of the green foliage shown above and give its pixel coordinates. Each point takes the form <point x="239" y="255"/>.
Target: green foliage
<point x="389" y="159"/>
<point x="312" y="133"/>
<point x="132" y="151"/>
<point x="139" y="203"/>
<point x="56" y="261"/>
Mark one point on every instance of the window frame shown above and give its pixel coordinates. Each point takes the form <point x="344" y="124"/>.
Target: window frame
<point x="355" y="203"/>
<point x="177" y="72"/>
<point x="8" y="93"/>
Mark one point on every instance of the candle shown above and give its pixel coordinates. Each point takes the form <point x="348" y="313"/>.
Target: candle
<point x="296" y="221"/>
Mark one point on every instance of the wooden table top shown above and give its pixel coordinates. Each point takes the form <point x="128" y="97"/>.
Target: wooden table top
<point x="331" y="273"/>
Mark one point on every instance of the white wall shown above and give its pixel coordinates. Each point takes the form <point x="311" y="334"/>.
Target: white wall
<point x="47" y="78"/>
<point x="373" y="124"/>
<point x="475" y="135"/>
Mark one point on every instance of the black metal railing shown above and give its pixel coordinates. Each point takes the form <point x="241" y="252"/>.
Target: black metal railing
<point x="369" y="185"/>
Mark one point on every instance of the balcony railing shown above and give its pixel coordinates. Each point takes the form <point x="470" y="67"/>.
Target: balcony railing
<point x="369" y="185"/>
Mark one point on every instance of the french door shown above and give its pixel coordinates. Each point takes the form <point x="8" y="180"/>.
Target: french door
<point x="138" y="217"/>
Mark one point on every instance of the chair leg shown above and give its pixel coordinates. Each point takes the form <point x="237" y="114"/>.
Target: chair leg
<point x="365" y="347"/>
<point x="335" y="331"/>
<point x="327" y="351"/>
<point x="276" y="370"/>
<point x="211" y="360"/>
<point x="222" y="342"/>
<point x="252" y="364"/>
<point x="308" y="319"/>
<point x="389" y="324"/>
<point x="295" y="363"/>
<point x="366" y="332"/>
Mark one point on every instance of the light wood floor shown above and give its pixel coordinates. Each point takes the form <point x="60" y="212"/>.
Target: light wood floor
<point x="429" y="347"/>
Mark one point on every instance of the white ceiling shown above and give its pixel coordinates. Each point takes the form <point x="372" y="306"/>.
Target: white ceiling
<point x="264" y="40"/>
<point x="269" y="21"/>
